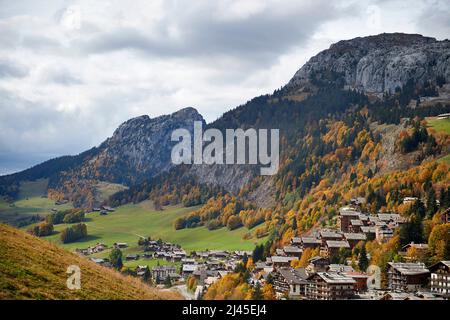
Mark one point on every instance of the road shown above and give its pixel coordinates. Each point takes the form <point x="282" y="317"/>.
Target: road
<point x="188" y="295"/>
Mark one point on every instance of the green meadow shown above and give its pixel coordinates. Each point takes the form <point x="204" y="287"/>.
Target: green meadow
<point x="31" y="201"/>
<point x="445" y="159"/>
<point x="126" y="224"/>
<point x="443" y="126"/>
<point x="440" y="125"/>
<point x="131" y="221"/>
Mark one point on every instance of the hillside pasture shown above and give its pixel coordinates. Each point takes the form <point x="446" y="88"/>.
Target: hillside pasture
<point x="32" y="201"/>
<point x="131" y="221"/>
<point x="440" y="125"/>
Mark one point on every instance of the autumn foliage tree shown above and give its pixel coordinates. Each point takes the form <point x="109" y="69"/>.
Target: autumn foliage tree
<point x="230" y="287"/>
<point x="73" y="233"/>
<point x="115" y="258"/>
<point x="42" y="229"/>
<point x="439" y="242"/>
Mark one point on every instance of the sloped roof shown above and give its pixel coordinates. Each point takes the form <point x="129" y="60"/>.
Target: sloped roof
<point x="338" y="244"/>
<point x="409" y="268"/>
<point x="310" y="240"/>
<point x="294" y="276"/>
<point x="336" y="278"/>
<point x="355" y="236"/>
<point x="330" y="234"/>
<point x="356" y="222"/>
<point x="347" y="211"/>
<point x="291" y="249"/>
<point x="280" y="259"/>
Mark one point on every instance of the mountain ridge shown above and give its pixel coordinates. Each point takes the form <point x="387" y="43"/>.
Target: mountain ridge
<point x="381" y="63"/>
<point x="139" y="148"/>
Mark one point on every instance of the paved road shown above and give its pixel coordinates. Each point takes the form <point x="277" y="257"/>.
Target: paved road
<point x="188" y="295"/>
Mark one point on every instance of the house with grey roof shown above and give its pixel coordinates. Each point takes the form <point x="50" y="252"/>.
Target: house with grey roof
<point x="290" y="282"/>
<point x="330" y="286"/>
<point x="407" y="276"/>
<point x="440" y="279"/>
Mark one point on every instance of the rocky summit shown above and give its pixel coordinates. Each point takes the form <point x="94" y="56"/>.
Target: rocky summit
<point x="139" y="148"/>
<point x="381" y="63"/>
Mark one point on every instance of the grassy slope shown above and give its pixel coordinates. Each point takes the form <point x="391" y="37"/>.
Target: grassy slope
<point x="30" y="189"/>
<point x="32" y="268"/>
<point x="440" y="125"/>
<point x="443" y="126"/>
<point x="131" y="221"/>
<point x="445" y="159"/>
<point x="106" y="189"/>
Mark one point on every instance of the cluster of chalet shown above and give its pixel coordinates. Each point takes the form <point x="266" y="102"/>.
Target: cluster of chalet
<point x="206" y="266"/>
<point x="357" y="226"/>
<point x="164" y="250"/>
<point x="406" y="277"/>
<point x="320" y="280"/>
<point x="209" y="266"/>
<point x="104" y="210"/>
<point x="99" y="247"/>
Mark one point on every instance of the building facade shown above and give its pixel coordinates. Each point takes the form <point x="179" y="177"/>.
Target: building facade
<point x="408" y="277"/>
<point x="440" y="279"/>
<point x="330" y="286"/>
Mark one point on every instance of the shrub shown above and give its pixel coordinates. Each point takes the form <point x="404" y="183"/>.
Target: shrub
<point x="213" y="224"/>
<point x="66" y="216"/>
<point x="74" y="233"/>
<point x="179" y="223"/>
<point x="115" y="257"/>
<point x="73" y="217"/>
<point x="42" y="229"/>
<point x="234" y="222"/>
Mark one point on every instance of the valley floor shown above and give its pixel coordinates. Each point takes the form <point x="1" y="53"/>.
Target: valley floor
<point x="130" y="222"/>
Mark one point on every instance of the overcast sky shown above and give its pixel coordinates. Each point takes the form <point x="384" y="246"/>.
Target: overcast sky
<point x="72" y="71"/>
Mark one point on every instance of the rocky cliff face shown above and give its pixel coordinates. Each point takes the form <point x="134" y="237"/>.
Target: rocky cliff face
<point x="381" y="63"/>
<point x="139" y="148"/>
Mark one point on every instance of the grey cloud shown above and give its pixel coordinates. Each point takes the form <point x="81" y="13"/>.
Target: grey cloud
<point x="31" y="132"/>
<point x="28" y="7"/>
<point x="435" y="19"/>
<point x="22" y="33"/>
<point x="39" y="42"/>
<point x="62" y="77"/>
<point x="37" y="130"/>
<point x="257" y="38"/>
<point x="9" y="69"/>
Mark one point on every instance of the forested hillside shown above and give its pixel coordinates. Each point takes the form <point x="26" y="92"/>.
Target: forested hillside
<point x="338" y="140"/>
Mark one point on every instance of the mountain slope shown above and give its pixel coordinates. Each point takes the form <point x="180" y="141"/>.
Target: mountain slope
<point x="371" y="65"/>
<point x="411" y="67"/>
<point x="31" y="268"/>
<point x="139" y="148"/>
